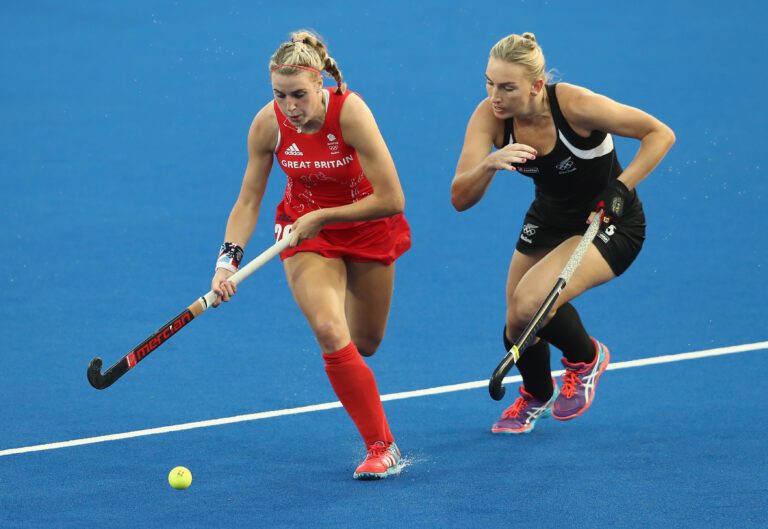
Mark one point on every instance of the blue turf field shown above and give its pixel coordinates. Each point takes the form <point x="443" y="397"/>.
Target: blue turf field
<point x="122" y="146"/>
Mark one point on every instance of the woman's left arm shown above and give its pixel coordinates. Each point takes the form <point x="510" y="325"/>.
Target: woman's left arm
<point x="360" y="132"/>
<point x="590" y="111"/>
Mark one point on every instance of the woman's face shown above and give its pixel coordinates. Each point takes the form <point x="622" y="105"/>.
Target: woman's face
<point x="298" y="96"/>
<point x="509" y="89"/>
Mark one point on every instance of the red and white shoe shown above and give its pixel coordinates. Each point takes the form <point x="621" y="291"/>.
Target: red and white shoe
<point x="382" y="461"/>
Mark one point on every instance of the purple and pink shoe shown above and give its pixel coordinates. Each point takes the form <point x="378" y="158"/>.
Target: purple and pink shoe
<point x="521" y="417"/>
<point x="579" y="383"/>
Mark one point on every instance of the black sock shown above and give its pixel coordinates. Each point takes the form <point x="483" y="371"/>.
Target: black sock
<point x="566" y="332"/>
<point x="535" y="369"/>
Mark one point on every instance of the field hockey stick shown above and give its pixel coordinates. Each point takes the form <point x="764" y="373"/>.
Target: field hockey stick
<point x="101" y="380"/>
<point x="495" y="386"/>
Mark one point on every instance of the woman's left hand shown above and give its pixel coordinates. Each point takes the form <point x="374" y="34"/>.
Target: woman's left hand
<point x="612" y="201"/>
<point x="307" y="226"/>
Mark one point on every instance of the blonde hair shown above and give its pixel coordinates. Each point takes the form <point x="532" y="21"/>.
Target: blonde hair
<point x="525" y="51"/>
<point x="308" y="50"/>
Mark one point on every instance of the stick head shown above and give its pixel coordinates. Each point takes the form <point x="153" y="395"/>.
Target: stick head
<point x="94" y="374"/>
<point x="496" y="384"/>
<point x="496" y="389"/>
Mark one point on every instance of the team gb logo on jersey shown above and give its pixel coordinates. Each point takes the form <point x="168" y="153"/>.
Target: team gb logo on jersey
<point x="333" y="144"/>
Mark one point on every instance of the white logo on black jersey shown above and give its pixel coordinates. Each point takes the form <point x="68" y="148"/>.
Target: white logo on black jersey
<point x="529" y="230"/>
<point x="566" y="166"/>
<point x="527" y="170"/>
<point x="293" y="150"/>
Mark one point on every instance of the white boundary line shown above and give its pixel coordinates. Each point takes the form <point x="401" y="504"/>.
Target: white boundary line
<point x="392" y="396"/>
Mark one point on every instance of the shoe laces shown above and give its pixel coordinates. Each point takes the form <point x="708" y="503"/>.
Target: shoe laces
<point x="514" y="410"/>
<point x="377" y="449"/>
<point x="570" y="381"/>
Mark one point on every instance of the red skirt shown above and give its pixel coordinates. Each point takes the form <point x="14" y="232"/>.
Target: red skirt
<point x="380" y="240"/>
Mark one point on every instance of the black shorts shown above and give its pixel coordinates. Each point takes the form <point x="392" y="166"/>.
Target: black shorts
<point x="618" y="243"/>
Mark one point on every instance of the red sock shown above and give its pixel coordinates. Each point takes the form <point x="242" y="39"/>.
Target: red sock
<point x="354" y="384"/>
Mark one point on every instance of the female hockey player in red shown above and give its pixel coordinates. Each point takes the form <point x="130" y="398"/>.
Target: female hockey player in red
<point x="342" y="209"/>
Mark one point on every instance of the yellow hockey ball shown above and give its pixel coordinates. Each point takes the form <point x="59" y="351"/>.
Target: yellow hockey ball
<point x="180" y="478"/>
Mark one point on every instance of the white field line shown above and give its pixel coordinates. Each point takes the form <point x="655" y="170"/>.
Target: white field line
<point x="391" y="396"/>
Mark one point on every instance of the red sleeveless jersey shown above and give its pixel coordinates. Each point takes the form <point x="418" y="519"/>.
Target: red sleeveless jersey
<point x="323" y="171"/>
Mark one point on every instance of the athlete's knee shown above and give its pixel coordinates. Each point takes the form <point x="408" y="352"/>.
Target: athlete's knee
<point x="330" y="333"/>
<point x="521" y="310"/>
<point x="367" y="345"/>
<point x="512" y="327"/>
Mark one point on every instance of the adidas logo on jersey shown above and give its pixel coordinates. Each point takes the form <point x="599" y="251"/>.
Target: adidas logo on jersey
<point x="293" y="150"/>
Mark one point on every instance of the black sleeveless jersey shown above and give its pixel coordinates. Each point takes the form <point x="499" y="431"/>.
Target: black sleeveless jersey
<point x="569" y="178"/>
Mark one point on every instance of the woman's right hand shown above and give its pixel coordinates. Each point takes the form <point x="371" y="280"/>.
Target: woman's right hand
<point x="510" y="154"/>
<point x="222" y="286"/>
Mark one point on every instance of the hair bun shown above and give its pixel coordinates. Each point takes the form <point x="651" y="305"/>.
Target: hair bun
<point x="301" y="37"/>
<point x="529" y="36"/>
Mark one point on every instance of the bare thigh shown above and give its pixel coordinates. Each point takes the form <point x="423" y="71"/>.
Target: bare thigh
<point x="537" y="282"/>
<point x="518" y="267"/>
<point x="319" y="287"/>
<point x="369" y="296"/>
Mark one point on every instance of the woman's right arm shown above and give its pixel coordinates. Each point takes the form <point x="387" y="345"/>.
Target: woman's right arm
<point x="262" y="140"/>
<point x="477" y="164"/>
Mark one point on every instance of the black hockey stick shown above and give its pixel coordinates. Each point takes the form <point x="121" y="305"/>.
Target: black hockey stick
<point x="495" y="386"/>
<point x="101" y="380"/>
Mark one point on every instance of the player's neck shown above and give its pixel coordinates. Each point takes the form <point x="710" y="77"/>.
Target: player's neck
<point x="537" y="112"/>
<point x="316" y="122"/>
